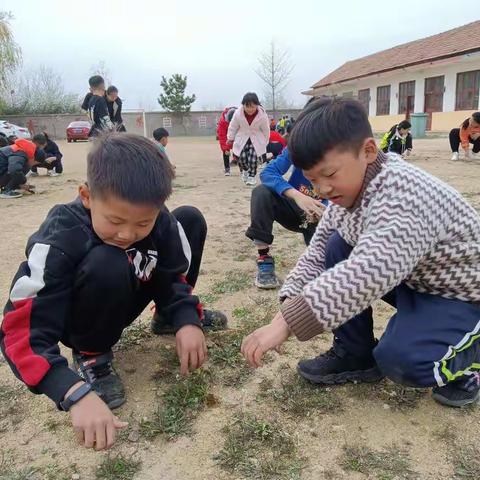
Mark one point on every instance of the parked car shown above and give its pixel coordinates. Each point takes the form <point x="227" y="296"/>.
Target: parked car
<point x="78" y="130"/>
<point x="7" y="129"/>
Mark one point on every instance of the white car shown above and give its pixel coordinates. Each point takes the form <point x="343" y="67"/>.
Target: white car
<point x="7" y="129"/>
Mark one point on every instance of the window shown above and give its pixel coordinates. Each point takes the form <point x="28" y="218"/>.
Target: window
<point x="167" y="122"/>
<point x="202" y="121"/>
<point x="364" y="99"/>
<point x="383" y="100"/>
<point x="406" y="97"/>
<point x="468" y="84"/>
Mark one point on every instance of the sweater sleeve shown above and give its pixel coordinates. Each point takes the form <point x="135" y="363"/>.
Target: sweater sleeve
<point x="272" y="175"/>
<point x="397" y="235"/>
<point x="464" y="137"/>
<point x="34" y="321"/>
<point x="312" y="263"/>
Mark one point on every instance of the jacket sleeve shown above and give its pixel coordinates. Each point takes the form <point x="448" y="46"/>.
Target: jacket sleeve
<point x="464" y="137"/>
<point x="103" y="115"/>
<point x="233" y="127"/>
<point x="265" y="128"/>
<point x="16" y="163"/>
<point x="409" y="142"/>
<point x="222" y="135"/>
<point x="272" y="174"/>
<point x="54" y="151"/>
<point x="34" y="321"/>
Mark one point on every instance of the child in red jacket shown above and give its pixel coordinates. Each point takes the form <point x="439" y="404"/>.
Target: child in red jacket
<point x="222" y="129"/>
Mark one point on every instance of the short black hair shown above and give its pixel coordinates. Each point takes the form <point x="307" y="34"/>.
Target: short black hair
<point x="325" y="124"/>
<point x="96" y="81"/>
<point x="40" y="138"/>
<point x="160" y="133"/>
<point x="112" y="89"/>
<point x="130" y="167"/>
<point x="249" y="98"/>
<point x="3" y="141"/>
<point x="405" y="124"/>
<point x="476" y="117"/>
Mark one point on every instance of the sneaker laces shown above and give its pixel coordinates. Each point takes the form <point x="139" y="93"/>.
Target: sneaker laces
<point x="266" y="265"/>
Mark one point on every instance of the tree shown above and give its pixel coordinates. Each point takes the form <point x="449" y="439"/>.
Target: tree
<point x="275" y="70"/>
<point x="38" y="91"/>
<point x="10" y="52"/>
<point x="174" y="99"/>
<point x="101" y="69"/>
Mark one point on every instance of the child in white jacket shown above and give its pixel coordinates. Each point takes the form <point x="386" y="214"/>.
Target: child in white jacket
<point x="249" y="132"/>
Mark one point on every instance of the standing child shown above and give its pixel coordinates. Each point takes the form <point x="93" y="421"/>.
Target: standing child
<point x="53" y="156"/>
<point x="393" y="232"/>
<point x="114" y="105"/>
<point x="222" y="128"/>
<point x="15" y="162"/>
<point x="398" y="139"/>
<point x="469" y="132"/>
<point x="249" y="132"/>
<point x="97" y="109"/>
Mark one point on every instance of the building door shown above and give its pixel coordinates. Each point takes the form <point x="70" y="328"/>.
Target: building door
<point x="434" y="89"/>
<point x="364" y="99"/>
<point x="406" y="98"/>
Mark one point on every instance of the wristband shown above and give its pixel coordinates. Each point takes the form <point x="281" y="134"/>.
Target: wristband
<point x="74" y="397"/>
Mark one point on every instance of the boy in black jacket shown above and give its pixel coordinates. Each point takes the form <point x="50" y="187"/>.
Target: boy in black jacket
<point x="53" y="156"/>
<point x="92" y="268"/>
<point x="114" y="105"/>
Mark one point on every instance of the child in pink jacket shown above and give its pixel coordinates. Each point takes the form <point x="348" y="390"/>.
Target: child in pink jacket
<point x="249" y="132"/>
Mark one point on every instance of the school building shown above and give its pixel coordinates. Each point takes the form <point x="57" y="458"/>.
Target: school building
<point x="438" y="75"/>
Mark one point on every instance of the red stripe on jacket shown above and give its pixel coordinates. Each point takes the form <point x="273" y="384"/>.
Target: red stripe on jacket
<point x="16" y="328"/>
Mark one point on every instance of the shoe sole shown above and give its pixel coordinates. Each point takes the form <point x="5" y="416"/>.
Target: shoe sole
<point x="455" y="403"/>
<point x="266" y="287"/>
<point x="372" y="375"/>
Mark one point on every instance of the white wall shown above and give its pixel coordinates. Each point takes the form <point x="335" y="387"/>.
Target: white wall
<point x="449" y="68"/>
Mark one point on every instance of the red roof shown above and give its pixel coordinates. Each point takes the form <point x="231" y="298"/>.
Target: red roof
<point x="460" y="40"/>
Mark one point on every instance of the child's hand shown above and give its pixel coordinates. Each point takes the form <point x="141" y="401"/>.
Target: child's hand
<point x="93" y="422"/>
<point x="191" y="348"/>
<point x="264" y="339"/>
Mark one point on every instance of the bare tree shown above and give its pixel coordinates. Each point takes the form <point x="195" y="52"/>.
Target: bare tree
<point x="39" y="91"/>
<point x="275" y="69"/>
<point x="10" y="53"/>
<point x="101" y="69"/>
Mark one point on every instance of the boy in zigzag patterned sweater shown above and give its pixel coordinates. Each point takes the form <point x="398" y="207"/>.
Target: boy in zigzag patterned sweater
<point x="391" y="232"/>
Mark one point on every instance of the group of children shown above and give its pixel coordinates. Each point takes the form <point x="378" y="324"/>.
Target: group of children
<point x="96" y="263"/>
<point x="103" y="107"/>
<point x="22" y="158"/>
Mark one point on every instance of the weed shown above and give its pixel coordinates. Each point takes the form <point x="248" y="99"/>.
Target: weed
<point x="234" y="281"/>
<point x="387" y="464"/>
<point x="133" y="335"/>
<point x="260" y="449"/>
<point x="118" y="467"/>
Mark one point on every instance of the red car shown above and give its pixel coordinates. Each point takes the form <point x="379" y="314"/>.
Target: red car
<point x="78" y="130"/>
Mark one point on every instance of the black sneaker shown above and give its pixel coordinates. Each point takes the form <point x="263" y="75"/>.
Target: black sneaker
<point x="337" y="366"/>
<point x="266" y="278"/>
<point x="458" y="393"/>
<point x="10" y="194"/>
<point x="213" y="320"/>
<point x="98" y="371"/>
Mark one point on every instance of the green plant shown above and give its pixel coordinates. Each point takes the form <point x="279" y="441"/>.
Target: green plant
<point x="118" y="467"/>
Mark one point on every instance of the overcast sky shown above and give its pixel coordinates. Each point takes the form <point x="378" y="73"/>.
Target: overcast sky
<point x="216" y="43"/>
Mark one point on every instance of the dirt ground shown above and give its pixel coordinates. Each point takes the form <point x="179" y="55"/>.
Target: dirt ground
<point x="355" y="431"/>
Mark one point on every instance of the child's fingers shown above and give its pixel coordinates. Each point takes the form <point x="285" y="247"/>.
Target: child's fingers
<point x="80" y="436"/>
<point x="89" y="437"/>
<point x="100" y="437"/>
<point x="184" y="363"/>
<point x="117" y="423"/>
<point x="257" y="356"/>
<point x="201" y="357"/>
<point x="111" y="434"/>
<point x="193" y="360"/>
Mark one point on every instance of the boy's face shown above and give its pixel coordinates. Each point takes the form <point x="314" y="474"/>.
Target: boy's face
<point x="403" y="131"/>
<point x="119" y="222"/>
<point x="164" y="141"/>
<point x="112" y="96"/>
<point x="339" y="176"/>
